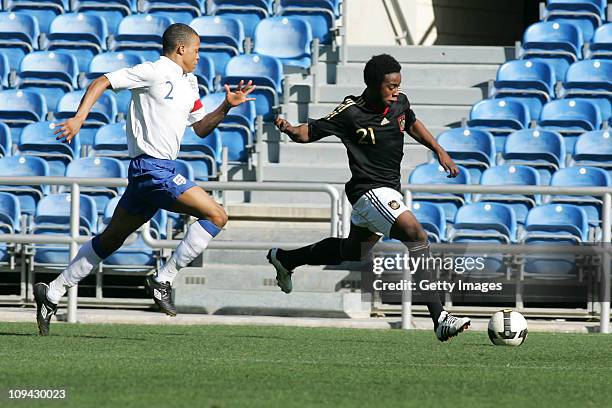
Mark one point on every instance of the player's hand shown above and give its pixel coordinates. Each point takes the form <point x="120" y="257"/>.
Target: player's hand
<point x="282" y="124"/>
<point x="68" y="129"/>
<point x="448" y="164"/>
<point x="240" y="95"/>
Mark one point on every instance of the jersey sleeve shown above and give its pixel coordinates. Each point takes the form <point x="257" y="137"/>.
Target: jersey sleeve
<point x="197" y="113"/>
<point x="337" y="123"/>
<point x="138" y="76"/>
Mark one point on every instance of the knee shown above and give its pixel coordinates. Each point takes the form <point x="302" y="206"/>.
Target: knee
<point x="219" y="217"/>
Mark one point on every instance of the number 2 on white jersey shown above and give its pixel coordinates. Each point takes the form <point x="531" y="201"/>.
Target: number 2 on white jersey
<point x="169" y="95"/>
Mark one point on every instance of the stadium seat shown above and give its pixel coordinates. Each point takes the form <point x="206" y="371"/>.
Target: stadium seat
<point x="237" y="128"/>
<point x="585" y="15"/>
<point x="112" y="11"/>
<point x="141" y="33"/>
<point x="43" y="11"/>
<point x="582" y="176"/>
<point x="266" y="72"/>
<point x="18" y="36"/>
<point x="221" y="38"/>
<point x="202" y="153"/>
<point x="542" y="149"/>
<point x="500" y="117"/>
<point x="248" y="12"/>
<point x="288" y="39"/>
<point x="49" y="73"/>
<point x="434" y="174"/>
<point x="19" y="108"/>
<point x="570" y="117"/>
<point x="509" y="174"/>
<point x="601" y="46"/>
<point x="431" y="218"/>
<point x="180" y="11"/>
<point x="474" y="149"/>
<point x="532" y="82"/>
<point x="10" y="211"/>
<point x="319" y="14"/>
<point x="6" y="141"/>
<point x="38" y="140"/>
<point x="103" y="112"/>
<point x="82" y="35"/>
<point x="205" y="73"/>
<point x="15" y="166"/>
<point x="485" y="221"/>
<point x="591" y="79"/>
<point x="5" y="69"/>
<point x="97" y="167"/>
<point x="111" y="141"/>
<point x="594" y="149"/>
<point x="555" y="223"/>
<point x="558" y="43"/>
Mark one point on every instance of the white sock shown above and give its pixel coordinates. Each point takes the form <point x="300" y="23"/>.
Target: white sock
<point x="85" y="261"/>
<point x="198" y="235"/>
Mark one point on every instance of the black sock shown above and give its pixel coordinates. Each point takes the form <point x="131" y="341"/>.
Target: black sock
<point x="325" y="252"/>
<point x="434" y="305"/>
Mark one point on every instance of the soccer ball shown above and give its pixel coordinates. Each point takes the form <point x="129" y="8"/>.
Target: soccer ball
<point x="507" y="328"/>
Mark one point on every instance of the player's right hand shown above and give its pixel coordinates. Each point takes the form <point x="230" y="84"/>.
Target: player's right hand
<point x="68" y="129"/>
<point x="282" y="124"/>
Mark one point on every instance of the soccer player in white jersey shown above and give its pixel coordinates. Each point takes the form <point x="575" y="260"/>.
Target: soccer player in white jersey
<point x="165" y="99"/>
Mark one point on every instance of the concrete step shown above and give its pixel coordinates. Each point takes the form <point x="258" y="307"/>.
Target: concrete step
<point x="324" y="173"/>
<point x="426" y="75"/>
<point x="280" y="231"/>
<point x="302" y="206"/>
<point x="417" y="95"/>
<point x="439" y="54"/>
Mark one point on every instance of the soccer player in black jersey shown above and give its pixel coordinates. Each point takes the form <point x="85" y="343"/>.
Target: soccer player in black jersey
<point x="372" y="127"/>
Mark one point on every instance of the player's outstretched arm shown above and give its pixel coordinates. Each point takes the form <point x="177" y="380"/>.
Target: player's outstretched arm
<point x="208" y="123"/>
<point x="67" y="129"/>
<point x="420" y="133"/>
<point x="299" y="134"/>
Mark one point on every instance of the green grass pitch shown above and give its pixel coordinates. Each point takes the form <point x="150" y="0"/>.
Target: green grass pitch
<point x="249" y="366"/>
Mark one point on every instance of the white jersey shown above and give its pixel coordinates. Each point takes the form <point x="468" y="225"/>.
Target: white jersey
<point x="164" y="101"/>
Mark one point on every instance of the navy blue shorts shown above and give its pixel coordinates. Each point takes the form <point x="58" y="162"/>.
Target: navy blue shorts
<point x="153" y="184"/>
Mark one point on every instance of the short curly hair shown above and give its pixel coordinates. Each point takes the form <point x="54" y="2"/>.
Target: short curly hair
<point x="377" y="67"/>
<point x="176" y="35"/>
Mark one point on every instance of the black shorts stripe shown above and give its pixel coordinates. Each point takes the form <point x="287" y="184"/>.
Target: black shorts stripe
<point x="376" y="203"/>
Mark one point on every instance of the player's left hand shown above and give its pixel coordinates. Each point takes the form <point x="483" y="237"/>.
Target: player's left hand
<point x="448" y="164"/>
<point x="240" y="95"/>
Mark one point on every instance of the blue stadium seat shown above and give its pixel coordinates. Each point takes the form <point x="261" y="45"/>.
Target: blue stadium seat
<point x="103" y="112"/>
<point x="15" y="166"/>
<point x="434" y="174"/>
<point x="582" y="176"/>
<point x="201" y="153"/>
<point x="591" y="79"/>
<point x="319" y="14"/>
<point x="509" y="174"/>
<point x="6" y="141"/>
<point x="5" y="69"/>
<point x="38" y="139"/>
<point x="556" y="223"/>
<point x="585" y="15"/>
<point x="110" y="140"/>
<point x="10" y="211"/>
<point x="571" y="117"/>
<point x="18" y="36"/>
<point x="43" y="11"/>
<point x="221" y="38"/>
<point x="205" y="73"/>
<point x="49" y="73"/>
<point x="82" y="35"/>
<point x="527" y="80"/>
<point x="98" y="167"/>
<point x="19" y="108"/>
<point x="560" y="44"/>
<point x="485" y="221"/>
<point x="542" y="149"/>
<point x="238" y="127"/>
<point x="180" y="11"/>
<point x="112" y="11"/>
<point x="431" y="218"/>
<point x="594" y="149"/>
<point x="474" y="149"/>
<point x="266" y="72"/>
<point x="601" y="46"/>
<point x="500" y="117"/>
<point x="248" y="12"/>
<point x="141" y="33"/>
<point x="288" y="39"/>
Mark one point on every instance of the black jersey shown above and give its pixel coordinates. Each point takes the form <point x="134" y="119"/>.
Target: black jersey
<point x="374" y="141"/>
